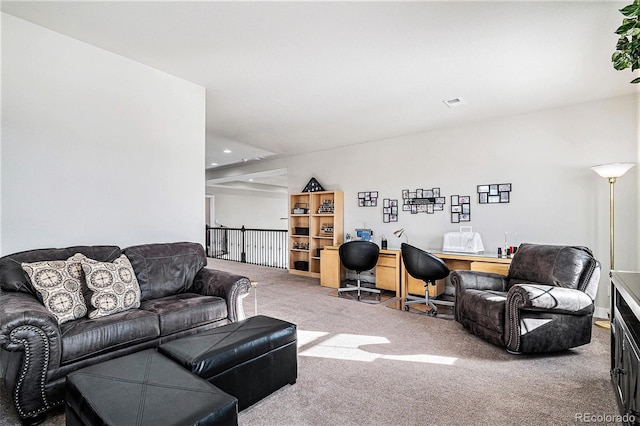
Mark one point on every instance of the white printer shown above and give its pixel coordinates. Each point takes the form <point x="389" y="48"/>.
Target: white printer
<point x="464" y="241"/>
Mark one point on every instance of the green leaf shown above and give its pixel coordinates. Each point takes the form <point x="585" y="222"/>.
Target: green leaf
<point x="621" y="60"/>
<point x="622" y="29"/>
<point x="631" y="10"/>
<point x="622" y="43"/>
<point x="635" y="80"/>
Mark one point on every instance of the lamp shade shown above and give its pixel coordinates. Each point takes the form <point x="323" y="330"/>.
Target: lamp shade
<point x="399" y="232"/>
<point x="613" y="170"/>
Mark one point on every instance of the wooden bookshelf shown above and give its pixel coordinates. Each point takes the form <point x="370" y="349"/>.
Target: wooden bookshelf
<point x="315" y="221"/>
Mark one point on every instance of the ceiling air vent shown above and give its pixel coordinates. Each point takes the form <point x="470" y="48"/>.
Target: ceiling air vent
<point x="455" y="102"/>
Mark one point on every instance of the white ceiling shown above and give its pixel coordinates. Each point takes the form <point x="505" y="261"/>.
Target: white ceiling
<point x="284" y="78"/>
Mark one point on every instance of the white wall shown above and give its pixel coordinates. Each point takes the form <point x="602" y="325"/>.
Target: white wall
<point x="546" y="157"/>
<point x="255" y="210"/>
<point x="96" y="148"/>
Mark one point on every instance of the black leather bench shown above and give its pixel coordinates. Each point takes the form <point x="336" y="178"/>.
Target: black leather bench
<point x="145" y="388"/>
<point x="248" y="359"/>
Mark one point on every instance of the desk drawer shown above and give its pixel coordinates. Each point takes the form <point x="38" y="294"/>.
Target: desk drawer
<point x="387" y="260"/>
<point x="496" y="268"/>
<point x="386" y="278"/>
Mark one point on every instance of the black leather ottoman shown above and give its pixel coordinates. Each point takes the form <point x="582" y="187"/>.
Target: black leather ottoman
<point x="248" y="359"/>
<point x="145" y="388"/>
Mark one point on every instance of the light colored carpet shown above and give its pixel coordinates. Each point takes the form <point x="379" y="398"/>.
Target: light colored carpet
<point x="368" y="364"/>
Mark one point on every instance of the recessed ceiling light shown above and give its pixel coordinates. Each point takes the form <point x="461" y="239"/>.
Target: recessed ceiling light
<point x="251" y="180"/>
<point x="455" y="102"/>
<point x="227" y="151"/>
<point x="214" y="164"/>
<point x="245" y="159"/>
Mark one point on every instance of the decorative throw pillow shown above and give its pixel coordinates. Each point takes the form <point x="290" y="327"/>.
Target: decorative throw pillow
<point x="59" y="284"/>
<point x="114" y="285"/>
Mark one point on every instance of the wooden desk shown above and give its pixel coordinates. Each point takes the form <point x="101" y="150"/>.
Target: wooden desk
<point x="391" y="274"/>
<point x="454" y="261"/>
<point x="388" y="268"/>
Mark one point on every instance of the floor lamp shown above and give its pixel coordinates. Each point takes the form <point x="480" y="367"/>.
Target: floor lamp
<point x="611" y="172"/>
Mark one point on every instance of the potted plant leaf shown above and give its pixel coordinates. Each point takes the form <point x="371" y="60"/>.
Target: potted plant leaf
<point x="627" y="54"/>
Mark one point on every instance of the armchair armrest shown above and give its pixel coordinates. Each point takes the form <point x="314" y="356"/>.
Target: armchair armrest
<point x="29" y="332"/>
<point x="476" y="280"/>
<point x="549" y="298"/>
<point x="18" y="310"/>
<point x="231" y="287"/>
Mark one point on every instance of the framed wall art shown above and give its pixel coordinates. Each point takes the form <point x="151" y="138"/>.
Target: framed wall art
<point x="494" y="193"/>
<point x="422" y="200"/>
<point x="368" y="199"/>
<point x="389" y="210"/>
<point x="460" y="208"/>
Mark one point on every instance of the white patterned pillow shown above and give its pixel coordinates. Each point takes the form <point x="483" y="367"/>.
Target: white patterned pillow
<point x="59" y="284"/>
<point x="114" y="285"/>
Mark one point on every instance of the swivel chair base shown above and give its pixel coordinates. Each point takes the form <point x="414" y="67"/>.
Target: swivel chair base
<point x="428" y="301"/>
<point x="358" y="288"/>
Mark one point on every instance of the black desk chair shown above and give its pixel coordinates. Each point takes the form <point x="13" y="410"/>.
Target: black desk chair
<point x="427" y="267"/>
<point x="359" y="256"/>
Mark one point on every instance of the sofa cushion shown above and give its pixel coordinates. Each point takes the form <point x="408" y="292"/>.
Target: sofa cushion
<point x="113" y="285"/>
<point x="86" y="338"/>
<point x="59" y="287"/>
<point x="183" y="311"/>
<point x="13" y="277"/>
<point x="484" y="307"/>
<point x="165" y="269"/>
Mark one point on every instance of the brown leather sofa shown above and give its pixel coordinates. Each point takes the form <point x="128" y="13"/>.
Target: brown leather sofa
<point x="544" y="304"/>
<point x="179" y="297"/>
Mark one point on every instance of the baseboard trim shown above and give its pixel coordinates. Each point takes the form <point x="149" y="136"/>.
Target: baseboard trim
<point x="602" y="313"/>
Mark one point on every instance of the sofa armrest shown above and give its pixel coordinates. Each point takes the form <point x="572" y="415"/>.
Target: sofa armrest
<point x="549" y="298"/>
<point x="231" y="287"/>
<point x="476" y="280"/>
<point x="29" y="331"/>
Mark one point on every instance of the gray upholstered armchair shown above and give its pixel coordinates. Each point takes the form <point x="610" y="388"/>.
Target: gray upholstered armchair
<point x="544" y="304"/>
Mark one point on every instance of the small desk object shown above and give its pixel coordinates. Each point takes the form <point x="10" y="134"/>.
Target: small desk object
<point x="391" y="274"/>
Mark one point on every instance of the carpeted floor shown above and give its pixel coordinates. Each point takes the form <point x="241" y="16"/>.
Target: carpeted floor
<point x="369" y="364"/>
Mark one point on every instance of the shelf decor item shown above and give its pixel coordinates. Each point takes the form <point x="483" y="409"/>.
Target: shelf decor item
<point x="627" y="54"/>
<point x="313" y="186"/>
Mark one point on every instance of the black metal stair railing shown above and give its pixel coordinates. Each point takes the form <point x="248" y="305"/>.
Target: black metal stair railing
<point x="266" y="247"/>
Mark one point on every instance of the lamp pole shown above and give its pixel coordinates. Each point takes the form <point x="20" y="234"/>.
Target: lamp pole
<point x="611" y="172"/>
<point x="612" y="181"/>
